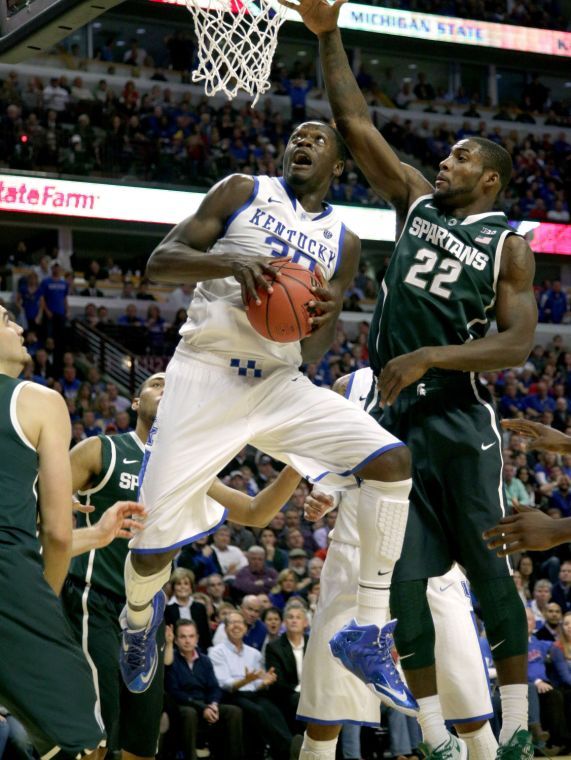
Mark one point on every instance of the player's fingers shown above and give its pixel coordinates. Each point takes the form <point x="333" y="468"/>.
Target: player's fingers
<point x="270" y="270"/>
<point x="323" y="293"/>
<point x="288" y="4"/>
<point x="132" y="507"/>
<point x="250" y="286"/>
<point x="261" y="281"/>
<point x="522" y="508"/>
<point x="322" y="306"/>
<point x="85" y="508"/>
<point x="134" y="525"/>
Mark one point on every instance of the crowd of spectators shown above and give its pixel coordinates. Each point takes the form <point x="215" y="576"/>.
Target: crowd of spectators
<point x="66" y="127"/>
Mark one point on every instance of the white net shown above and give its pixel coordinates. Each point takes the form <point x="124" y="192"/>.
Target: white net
<point x="236" y="44"/>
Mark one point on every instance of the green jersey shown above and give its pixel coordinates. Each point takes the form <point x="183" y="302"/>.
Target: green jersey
<point x="18" y="472"/>
<point x="440" y="286"/>
<point x="121" y="459"/>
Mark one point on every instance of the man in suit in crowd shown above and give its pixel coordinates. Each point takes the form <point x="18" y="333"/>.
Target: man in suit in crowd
<point x="285" y="656"/>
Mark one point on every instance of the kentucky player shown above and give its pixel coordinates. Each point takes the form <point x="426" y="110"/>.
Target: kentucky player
<point x="330" y="695"/>
<point x="227" y="386"/>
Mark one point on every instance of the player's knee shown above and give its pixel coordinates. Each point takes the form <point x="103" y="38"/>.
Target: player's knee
<point x="504" y="616"/>
<point x="150" y="564"/>
<point x="392" y="465"/>
<point x="414" y="634"/>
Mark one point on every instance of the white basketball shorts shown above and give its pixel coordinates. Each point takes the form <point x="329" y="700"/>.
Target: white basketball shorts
<point x="211" y="408"/>
<point x="331" y="695"/>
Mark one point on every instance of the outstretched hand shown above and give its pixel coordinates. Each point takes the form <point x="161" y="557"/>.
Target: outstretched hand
<point x="316" y="504"/>
<point x="526" y="530"/>
<point x="540" y="436"/>
<point x="319" y="16"/>
<point x="118" y="521"/>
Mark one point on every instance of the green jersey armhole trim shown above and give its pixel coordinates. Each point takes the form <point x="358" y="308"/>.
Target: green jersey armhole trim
<point x="102" y="483"/>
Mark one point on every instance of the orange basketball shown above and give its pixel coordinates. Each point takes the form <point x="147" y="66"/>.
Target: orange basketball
<point x="283" y="315"/>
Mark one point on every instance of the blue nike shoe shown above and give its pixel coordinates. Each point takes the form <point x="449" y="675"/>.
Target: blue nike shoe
<point x="365" y="650"/>
<point x="138" y="657"/>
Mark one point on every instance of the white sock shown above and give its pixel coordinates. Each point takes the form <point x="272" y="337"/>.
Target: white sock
<point x="514" y="699"/>
<point x="431" y="721"/>
<point x="314" y="750"/>
<point x="482" y="744"/>
<point x="381" y="520"/>
<point x="140" y="590"/>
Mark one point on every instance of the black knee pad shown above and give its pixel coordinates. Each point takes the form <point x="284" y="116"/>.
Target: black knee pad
<point x="414" y="634"/>
<point x="504" y="616"/>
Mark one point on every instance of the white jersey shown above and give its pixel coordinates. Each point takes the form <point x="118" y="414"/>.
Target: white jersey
<point x="271" y="223"/>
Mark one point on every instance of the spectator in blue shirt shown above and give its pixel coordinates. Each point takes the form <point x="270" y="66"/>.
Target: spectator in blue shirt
<point x="70" y="385"/>
<point x="561" y="496"/>
<point x="130" y="317"/>
<point x="540" y="402"/>
<point x="554" y="304"/>
<point x="54" y="306"/>
<point x="551" y="699"/>
<point x="190" y="680"/>
<point x="511" y="403"/>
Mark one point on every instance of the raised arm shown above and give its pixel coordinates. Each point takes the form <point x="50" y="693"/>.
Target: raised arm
<point x="259" y="510"/>
<point x="516" y="318"/>
<point x="394" y="181"/>
<point x="330" y="301"/>
<point x="180" y="257"/>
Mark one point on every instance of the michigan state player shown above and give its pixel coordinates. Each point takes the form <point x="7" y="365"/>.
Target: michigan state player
<point x="105" y="469"/>
<point x="45" y="681"/>
<point x="456" y="265"/>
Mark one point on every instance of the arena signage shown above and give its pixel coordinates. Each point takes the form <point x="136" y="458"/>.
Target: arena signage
<point x="94" y="200"/>
<point x="127" y="203"/>
<point x="427" y="26"/>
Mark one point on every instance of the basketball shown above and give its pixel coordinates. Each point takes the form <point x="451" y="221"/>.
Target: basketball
<point x="283" y="315"/>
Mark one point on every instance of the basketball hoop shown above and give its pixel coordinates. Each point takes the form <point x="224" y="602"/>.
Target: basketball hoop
<point x="236" y="44"/>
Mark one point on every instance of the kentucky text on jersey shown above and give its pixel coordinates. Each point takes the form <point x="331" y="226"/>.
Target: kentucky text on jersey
<point x="287" y="237"/>
<point x="444" y="238"/>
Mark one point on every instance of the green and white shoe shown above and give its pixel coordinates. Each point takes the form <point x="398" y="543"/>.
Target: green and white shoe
<point x="519" y="747"/>
<point x="453" y="749"/>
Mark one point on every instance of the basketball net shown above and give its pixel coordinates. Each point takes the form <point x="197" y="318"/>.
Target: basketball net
<point x="236" y="44"/>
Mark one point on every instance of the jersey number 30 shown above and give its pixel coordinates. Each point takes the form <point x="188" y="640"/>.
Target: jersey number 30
<point x="421" y="274"/>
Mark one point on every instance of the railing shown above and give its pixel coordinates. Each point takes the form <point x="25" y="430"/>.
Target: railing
<point x="114" y="360"/>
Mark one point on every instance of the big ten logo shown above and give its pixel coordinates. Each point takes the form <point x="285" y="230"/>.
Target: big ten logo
<point x="128" y="481"/>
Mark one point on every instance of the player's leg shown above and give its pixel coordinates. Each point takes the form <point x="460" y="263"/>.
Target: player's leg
<point x="140" y="714"/>
<point x="45" y="682"/>
<point x="469" y="510"/>
<point x="327" y="437"/>
<point x="329" y="693"/>
<point x="320" y="742"/>
<point x="94" y="619"/>
<point x="464" y="692"/>
<point x="183" y="455"/>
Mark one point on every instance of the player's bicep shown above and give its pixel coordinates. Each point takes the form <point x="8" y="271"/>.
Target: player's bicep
<point x="348" y="266"/>
<point x="54" y="482"/>
<point x="201" y="230"/>
<point x="85" y="461"/>
<point x="516" y="307"/>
